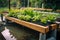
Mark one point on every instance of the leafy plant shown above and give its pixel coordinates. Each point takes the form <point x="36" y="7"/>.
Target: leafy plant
<point x="31" y="15"/>
<point x="13" y="13"/>
<point x="27" y="18"/>
<point x="44" y="20"/>
<point x="51" y="17"/>
<point x="35" y="18"/>
<point x="21" y="17"/>
<point x="29" y="12"/>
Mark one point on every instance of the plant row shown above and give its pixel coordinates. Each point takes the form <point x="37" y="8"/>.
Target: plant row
<point x="33" y="16"/>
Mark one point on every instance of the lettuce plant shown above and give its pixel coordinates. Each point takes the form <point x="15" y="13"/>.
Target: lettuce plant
<point x="51" y="17"/>
<point x="44" y="20"/>
<point x="29" y="14"/>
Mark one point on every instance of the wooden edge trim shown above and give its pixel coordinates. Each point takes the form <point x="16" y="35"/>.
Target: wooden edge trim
<point x="33" y="26"/>
<point x="54" y="26"/>
<point x="43" y="9"/>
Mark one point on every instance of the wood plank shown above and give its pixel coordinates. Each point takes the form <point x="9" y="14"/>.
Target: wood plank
<point x="33" y="26"/>
<point x="43" y="9"/>
<point x="54" y="26"/>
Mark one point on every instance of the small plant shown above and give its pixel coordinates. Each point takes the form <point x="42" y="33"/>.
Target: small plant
<point x="22" y="17"/>
<point x="12" y="14"/>
<point x="27" y="18"/>
<point x="51" y="17"/>
<point x="36" y="18"/>
<point x="44" y="20"/>
<point x="29" y="12"/>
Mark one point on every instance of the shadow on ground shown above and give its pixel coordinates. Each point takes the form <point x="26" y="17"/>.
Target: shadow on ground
<point x="22" y="33"/>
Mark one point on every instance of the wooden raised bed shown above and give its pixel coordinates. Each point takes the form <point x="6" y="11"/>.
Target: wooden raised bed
<point x="39" y="28"/>
<point x="42" y="29"/>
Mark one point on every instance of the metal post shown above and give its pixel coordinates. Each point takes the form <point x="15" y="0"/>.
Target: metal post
<point x="9" y="5"/>
<point x="59" y="25"/>
<point x="42" y="36"/>
<point x="28" y="4"/>
<point x="2" y="17"/>
<point x="24" y="3"/>
<point x="55" y="33"/>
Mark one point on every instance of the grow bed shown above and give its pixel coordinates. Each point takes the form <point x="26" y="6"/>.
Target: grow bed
<point x="41" y="22"/>
<point x="39" y="28"/>
<point x="35" y="20"/>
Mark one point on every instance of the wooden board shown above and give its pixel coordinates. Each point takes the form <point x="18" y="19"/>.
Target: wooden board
<point x="33" y="26"/>
<point x="42" y="9"/>
<point x="45" y="9"/>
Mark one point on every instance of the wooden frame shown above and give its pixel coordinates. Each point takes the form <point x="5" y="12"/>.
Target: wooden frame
<point x="43" y="9"/>
<point x="39" y="28"/>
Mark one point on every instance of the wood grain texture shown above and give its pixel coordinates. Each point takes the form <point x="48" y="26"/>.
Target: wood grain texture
<point x="33" y="26"/>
